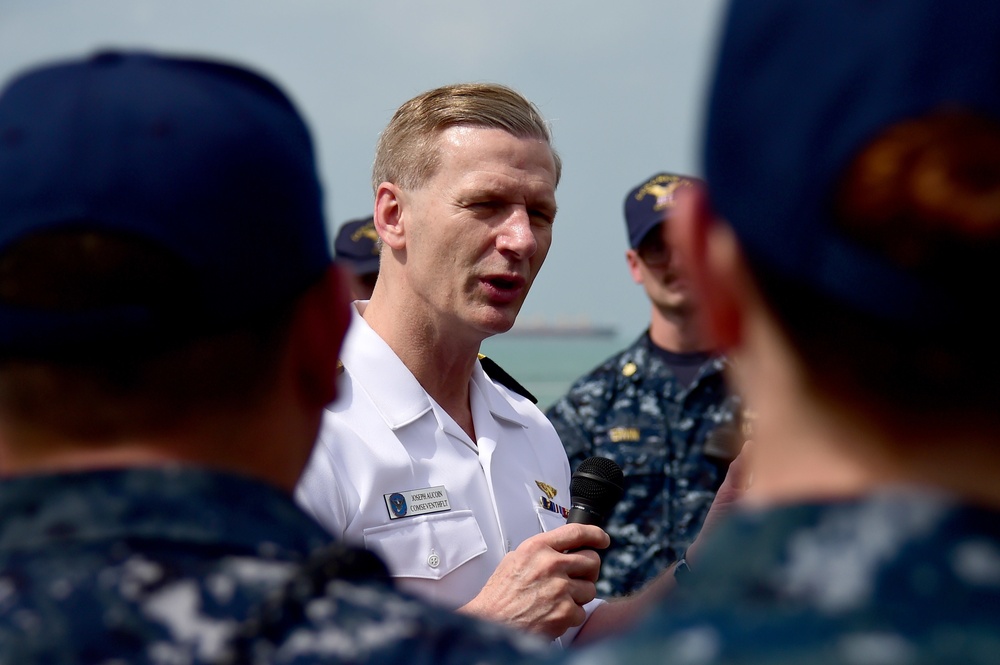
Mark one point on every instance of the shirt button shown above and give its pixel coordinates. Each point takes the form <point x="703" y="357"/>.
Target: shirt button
<point x="433" y="560"/>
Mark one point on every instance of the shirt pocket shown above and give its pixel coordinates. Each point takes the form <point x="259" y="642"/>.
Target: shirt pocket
<point x="548" y="519"/>
<point x="428" y="546"/>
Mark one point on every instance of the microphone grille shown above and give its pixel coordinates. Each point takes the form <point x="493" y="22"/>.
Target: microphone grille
<point x="598" y="478"/>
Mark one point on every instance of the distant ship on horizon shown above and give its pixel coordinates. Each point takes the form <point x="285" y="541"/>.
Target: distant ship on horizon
<point x="561" y="329"/>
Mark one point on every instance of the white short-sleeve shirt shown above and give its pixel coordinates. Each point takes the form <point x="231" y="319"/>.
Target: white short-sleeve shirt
<point x="393" y="472"/>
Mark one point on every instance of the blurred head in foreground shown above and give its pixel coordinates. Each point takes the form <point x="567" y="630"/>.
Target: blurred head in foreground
<point x="844" y="255"/>
<point x="161" y="235"/>
<point x="859" y="171"/>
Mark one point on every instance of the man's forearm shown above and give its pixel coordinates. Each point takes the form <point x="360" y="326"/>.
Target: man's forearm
<point x="619" y="614"/>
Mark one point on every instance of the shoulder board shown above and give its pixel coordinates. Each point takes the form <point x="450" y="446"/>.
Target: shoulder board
<point x="498" y="374"/>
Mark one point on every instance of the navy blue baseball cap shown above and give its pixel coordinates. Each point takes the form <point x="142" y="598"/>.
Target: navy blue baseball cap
<point x="800" y="87"/>
<point x="356" y="245"/>
<point x="649" y="204"/>
<point x="206" y="159"/>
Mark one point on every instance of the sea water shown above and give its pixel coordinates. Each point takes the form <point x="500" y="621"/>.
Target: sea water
<point x="547" y="366"/>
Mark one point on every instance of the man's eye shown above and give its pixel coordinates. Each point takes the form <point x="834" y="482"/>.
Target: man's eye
<point x="542" y="216"/>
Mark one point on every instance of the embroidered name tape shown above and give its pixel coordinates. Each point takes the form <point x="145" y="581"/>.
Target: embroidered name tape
<point x="619" y="434"/>
<point x="417" y="502"/>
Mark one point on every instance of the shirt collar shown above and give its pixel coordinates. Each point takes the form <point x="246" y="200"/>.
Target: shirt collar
<point x="500" y="406"/>
<point x="375" y="367"/>
<point x="397" y="395"/>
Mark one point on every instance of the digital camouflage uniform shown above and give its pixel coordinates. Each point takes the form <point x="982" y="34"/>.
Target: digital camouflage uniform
<point x="186" y="566"/>
<point x="890" y="580"/>
<point x="673" y="444"/>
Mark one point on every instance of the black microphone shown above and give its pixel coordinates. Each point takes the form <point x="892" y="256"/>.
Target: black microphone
<point x="596" y="487"/>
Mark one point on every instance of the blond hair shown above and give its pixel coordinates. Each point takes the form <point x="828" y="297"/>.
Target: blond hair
<point x="407" y="151"/>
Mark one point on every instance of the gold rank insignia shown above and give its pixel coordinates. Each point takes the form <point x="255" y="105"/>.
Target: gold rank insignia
<point x="618" y="434"/>
<point x="629" y="369"/>
<point x="549" y="490"/>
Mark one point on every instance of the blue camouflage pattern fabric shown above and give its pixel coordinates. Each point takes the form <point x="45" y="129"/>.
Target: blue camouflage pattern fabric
<point x="898" y="578"/>
<point x="673" y="443"/>
<point x="188" y="566"/>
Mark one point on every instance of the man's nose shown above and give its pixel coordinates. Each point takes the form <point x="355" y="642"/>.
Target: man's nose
<point x="517" y="235"/>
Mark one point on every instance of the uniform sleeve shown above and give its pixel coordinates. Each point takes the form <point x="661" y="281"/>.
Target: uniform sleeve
<point x="318" y="492"/>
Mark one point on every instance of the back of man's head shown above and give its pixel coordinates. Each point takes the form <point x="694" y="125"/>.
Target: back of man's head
<point x="159" y="218"/>
<point x="853" y="147"/>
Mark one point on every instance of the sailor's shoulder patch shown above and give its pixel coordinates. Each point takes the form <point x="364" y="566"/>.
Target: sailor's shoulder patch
<point x="499" y="375"/>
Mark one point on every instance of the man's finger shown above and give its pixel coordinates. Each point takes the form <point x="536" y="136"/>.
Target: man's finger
<point x="576" y="536"/>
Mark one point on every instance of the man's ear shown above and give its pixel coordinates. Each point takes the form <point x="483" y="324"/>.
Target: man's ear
<point x="713" y="264"/>
<point x="634" y="269"/>
<point x="321" y="321"/>
<point x="388" y="216"/>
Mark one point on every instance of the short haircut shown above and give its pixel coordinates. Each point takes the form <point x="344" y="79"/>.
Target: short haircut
<point x="924" y="194"/>
<point x="407" y="151"/>
<point x="135" y="382"/>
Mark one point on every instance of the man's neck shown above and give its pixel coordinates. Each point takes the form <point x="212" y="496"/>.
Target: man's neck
<point x="810" y="446"/>
<point x="242" y="442"/>
<point x="442" y="366"/>
<point x="678" y="332"/>
<point x="818" y="456"/>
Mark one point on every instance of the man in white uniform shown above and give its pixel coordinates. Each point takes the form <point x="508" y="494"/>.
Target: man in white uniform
<point x="457" y="478"/>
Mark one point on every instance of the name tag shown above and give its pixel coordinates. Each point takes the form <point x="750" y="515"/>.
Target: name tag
<point x="411" y="503"/>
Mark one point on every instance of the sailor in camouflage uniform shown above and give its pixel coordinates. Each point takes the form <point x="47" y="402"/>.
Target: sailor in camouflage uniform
<point x="898" y="577"/>
<point x="660" y="409"/>
<point x="191" y="566"/>
<point x="169" y="327"/>
<point x="846" y="253"/>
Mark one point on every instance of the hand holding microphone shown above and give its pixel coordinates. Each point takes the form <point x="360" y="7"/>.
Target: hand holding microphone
<point x="542" y="585"/>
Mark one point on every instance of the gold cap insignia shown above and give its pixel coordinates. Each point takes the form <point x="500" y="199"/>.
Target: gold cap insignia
<point x="663" y="187"/>
<point x="365" y="231"/>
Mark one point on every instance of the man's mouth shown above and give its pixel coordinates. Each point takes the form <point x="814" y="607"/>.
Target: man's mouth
<point x="505" y="282"/>
<point x="504" y="288"/>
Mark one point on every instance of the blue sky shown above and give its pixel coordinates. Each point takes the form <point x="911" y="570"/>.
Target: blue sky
<point x="621" y="82"/>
